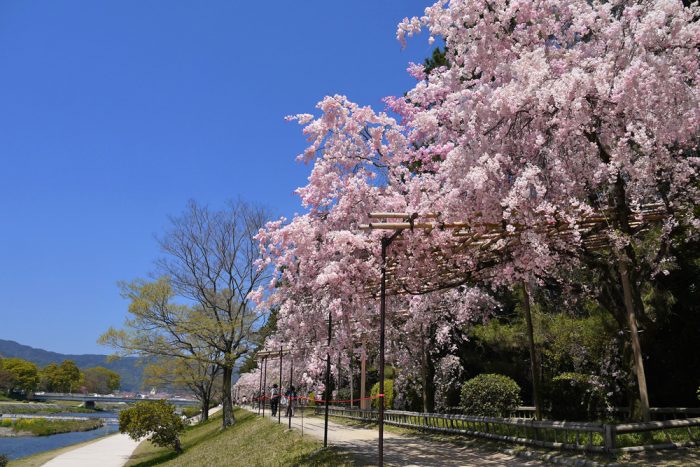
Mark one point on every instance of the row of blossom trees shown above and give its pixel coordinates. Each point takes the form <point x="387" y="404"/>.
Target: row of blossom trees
<point x="547" y="114"/>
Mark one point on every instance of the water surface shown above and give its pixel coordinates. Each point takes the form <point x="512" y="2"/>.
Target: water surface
<point x="22" y="446"/>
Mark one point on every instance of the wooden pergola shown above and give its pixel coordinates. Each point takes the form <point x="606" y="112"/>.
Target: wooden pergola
<point x="475" y="247"/>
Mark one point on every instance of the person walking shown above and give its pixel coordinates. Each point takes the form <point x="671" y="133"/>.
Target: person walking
<point x="291" y="395"/>
<point x="274" y="399"/>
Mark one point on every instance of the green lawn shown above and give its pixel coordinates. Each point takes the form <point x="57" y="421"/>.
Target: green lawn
<point x="250" y="442"/>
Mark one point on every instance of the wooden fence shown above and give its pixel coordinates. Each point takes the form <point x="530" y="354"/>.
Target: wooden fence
<point x="579" y="436"/>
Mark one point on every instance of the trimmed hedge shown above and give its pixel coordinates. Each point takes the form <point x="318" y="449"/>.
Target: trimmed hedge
<point x="490" y="395"/>
<point x="388" y="394"/>
<point x="576" y="396"/>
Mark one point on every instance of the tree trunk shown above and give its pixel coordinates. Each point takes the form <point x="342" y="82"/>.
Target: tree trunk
<point x="626" y="267"/>
<point x="177" y="446"/>
<point x="427" y="374"/>
<point x="228" y="419"/>
<point x="634" y="336"/>
<point x="630" y="293"/>
<point x="205" y="409"/>
<point x="534" y="367"/>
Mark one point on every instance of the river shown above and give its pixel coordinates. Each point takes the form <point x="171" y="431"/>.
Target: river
<point x="22" y="446"/>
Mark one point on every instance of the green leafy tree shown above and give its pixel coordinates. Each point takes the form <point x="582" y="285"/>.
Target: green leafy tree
<point x="155" y="419"/>
<point x="200" y="377"/>
<point x="69" y="375"/>
<point x="100" y="380"/>
<point x="7" y="379"/>
<point x="60" y="378"/>
<point x="211" y="260"/>
<point x="173" y="334"/>
<point x="24" y="375"/>
<point x="48" y="377"/>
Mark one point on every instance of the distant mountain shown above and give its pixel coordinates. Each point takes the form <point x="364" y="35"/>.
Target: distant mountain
<point x="128" y="368"/>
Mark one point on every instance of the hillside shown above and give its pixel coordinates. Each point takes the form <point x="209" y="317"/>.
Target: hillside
<point x="128" y="368"/>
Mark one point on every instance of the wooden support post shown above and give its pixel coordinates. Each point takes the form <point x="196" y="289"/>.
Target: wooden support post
<point x="537" y="396"/>
<point x="260" y="391"/>
<point x="279" y="393"/>
<point x="290" y="399"/>
<point x="352" y="394"/>
<point x="363" y="379"/>
<point x="382" y="316"/>
<point x="264" y="386"/>
<point x="328" y="380"/>
<point x="610" y="432"/>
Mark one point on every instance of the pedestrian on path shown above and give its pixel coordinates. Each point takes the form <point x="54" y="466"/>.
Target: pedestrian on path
<point x="274" y="399"/>
<point x="291" y="395"/>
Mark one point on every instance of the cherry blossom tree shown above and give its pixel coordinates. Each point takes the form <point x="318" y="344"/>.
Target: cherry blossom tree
<point x="547" y="114"/>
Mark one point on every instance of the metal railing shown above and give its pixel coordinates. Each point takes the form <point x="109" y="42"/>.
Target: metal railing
<point x="578" y="436"/>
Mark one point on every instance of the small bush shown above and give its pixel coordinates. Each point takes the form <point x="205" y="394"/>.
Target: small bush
<point x="190" y="412"/>
<point x="155" y="419"/>
<point x="490" y="395"/>
<point x="3" y="461"/>
<point x="343" y="394"/>
<point x="407" y="392"/>
<point x="388" y="394"/>
<point x="576" y="396"/>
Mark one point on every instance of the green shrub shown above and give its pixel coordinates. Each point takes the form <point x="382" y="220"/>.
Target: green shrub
<point x="576" y="396"/>
<point x="490" y="395"/>
<point x="3" y="461"/>
<point x="343" y="394"/>
<point x="155" y="419"/>
<point x="190" y="412"/>
<point x="388" y="394"/>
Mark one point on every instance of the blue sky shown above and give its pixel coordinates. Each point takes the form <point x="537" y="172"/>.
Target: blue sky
<point x="114" y="114"/>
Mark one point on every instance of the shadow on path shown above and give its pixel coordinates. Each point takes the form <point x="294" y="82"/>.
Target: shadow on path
<point x="403" y="450"/>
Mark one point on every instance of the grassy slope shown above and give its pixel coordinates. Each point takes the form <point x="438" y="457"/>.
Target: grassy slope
<point x="250" y="442"/>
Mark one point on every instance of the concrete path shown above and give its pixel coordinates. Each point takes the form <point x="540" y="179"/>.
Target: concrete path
<point x="112" y="451"/>
<point x="403" y="450"/>
<point x="212" y="411"/>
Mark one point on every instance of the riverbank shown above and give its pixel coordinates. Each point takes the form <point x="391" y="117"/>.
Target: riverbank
<point x="44" y="426"/>
<point x="42" y="408"/>
<point x="251" y="441"/>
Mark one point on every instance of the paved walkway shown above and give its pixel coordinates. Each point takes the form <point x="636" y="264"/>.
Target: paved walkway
<point x="404" y="450"/>
<point x="112" y="451"/>
<point x="212" y="411"/>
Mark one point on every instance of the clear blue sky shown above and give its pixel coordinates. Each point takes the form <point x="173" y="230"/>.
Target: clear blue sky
<point x="114" y="113"/>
